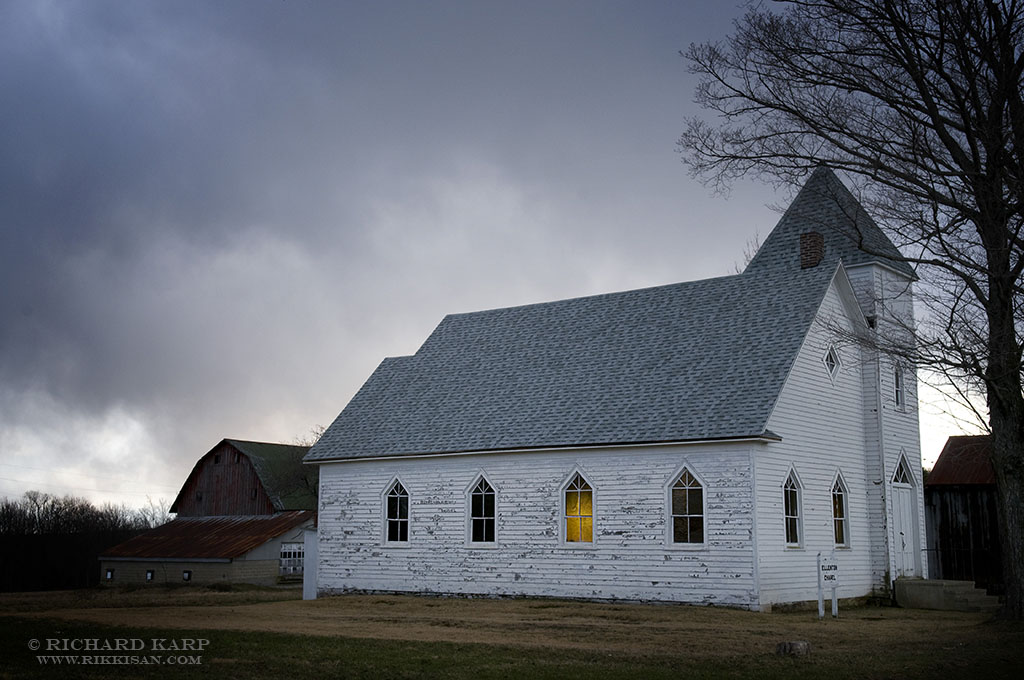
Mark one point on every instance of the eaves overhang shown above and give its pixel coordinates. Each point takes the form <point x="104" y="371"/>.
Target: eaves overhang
<point x="765" y="437"/>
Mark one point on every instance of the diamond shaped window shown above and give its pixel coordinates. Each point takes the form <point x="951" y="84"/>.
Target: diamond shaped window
<point x="831" y="361"/>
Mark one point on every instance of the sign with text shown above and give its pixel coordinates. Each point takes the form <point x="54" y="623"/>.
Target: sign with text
<point x="829" y="572"/>
<point x="828" y="579"/>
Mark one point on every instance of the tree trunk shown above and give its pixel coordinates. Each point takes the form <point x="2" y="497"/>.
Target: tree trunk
<point x="1007" y="456"/>
<point x="1006" y="421"/>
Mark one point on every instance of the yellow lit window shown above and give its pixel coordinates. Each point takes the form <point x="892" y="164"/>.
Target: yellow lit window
<point x="579" y="511"/>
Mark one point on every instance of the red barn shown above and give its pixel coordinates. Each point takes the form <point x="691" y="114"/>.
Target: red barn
<point x="240" y="518"/>
<point x="238" y="477"/>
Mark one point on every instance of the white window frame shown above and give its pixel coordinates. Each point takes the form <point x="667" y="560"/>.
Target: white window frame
<point x="844" y="492"/>
<point x="904" y="464"/>
<point x="798" y="486"/>
<point x="470" y="517"/>
<point x="899" y="387"/>
<point x="386" y="519"/>
<point x="292" y="557"/>
<point x="563" y="518"/>
<point x="833" y="373"/>
<point x="670" y="517"/>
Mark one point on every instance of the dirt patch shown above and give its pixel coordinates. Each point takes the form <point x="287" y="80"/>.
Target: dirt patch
<point x="647" y="629"/>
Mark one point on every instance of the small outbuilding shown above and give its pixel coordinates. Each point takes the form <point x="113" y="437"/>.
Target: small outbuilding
<point x="961" y="514"/>
<point x="241" y="514"/>
<point x="258" y="549"/>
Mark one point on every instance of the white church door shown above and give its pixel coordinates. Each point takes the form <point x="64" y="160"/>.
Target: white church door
<point x="904" y="520"/>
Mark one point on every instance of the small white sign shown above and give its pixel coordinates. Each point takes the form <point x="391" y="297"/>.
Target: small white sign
<point x="829" y="573"/>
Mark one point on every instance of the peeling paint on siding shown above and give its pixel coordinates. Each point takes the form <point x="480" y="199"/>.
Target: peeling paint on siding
<point x="628" y="559"/>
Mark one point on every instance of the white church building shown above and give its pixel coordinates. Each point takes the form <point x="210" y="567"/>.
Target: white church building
<point x="698" y="442"/>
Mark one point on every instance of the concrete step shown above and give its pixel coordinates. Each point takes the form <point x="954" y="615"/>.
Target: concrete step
<point x="961" y="596"/>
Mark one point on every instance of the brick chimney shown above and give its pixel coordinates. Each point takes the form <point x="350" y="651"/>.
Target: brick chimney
<point x="812" y="249"/>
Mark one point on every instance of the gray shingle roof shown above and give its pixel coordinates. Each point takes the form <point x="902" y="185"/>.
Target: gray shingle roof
<point x="689" y="361"/>
<point x="698" y="360"/>
<point x="825" y="205"/>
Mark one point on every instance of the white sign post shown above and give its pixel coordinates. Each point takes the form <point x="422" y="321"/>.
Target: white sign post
<point x="828" y="577"/>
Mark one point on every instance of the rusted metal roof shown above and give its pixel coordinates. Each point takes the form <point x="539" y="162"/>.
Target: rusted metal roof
<point x="964" y="460"/>
<point x="209" y="537"/>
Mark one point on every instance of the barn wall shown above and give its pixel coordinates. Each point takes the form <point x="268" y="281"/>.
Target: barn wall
<point x="630" y="557"/>
<point x="963" y="534"/>
<point x="822" y="425"/>
<point x="228" y="486"/>
<point x="271" y="550"/>
<point x="258" y="572"/>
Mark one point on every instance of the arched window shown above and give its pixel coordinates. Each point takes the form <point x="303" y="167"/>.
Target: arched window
<point x="397" y="514"/>
<point x="791" y="506"/>
<point x="902" y="474"/>
<point x="579" y="511"/>
<point x="840" y="513"/>
<point x="482" y="513"/>
<point x="687" y="510"/>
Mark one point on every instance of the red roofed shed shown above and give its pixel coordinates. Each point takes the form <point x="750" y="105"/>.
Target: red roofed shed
<point x="960" y="514"/>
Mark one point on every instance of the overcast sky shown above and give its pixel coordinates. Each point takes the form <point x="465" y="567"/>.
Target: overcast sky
<point x="217" y="218"/>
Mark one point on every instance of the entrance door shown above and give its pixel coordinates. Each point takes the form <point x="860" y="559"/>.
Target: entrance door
<point x="905" y="530"/>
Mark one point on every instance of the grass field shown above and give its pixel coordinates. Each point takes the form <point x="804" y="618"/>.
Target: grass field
<point x="267" y="633"/>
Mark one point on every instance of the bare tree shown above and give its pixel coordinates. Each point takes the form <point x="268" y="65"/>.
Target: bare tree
<point x="919" y="103"/>
<point x="312" y="437"/>
<point x="155" y="514"/>
<point x="42" y="513"/>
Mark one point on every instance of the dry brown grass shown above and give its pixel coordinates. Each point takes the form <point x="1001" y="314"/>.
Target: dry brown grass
<point x="649" y="630"/>
<point x="149" y="596"/>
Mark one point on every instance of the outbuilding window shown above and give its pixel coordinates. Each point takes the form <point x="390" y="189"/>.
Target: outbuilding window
<point x="293" y="555"/>
<point x="186" y="575"/>
<point x="579" y="511"/>
<point x="398" y="514"/>
<point x="687" y="510"/>
<point x="482" y="513"/>
<point x="109" y="575"/>
<point x="149" y="575"/>
<point x="791" y="505"/>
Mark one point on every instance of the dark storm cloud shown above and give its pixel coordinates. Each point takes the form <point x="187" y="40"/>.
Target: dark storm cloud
<point x="216" y="218"/>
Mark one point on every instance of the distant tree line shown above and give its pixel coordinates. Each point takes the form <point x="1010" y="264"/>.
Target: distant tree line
<point x="52" y="542"/>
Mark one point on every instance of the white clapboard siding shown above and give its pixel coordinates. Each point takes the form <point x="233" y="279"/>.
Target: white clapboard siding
<point x="822" y="425"/>
<point x="629" y="559"/>
<point x="900" y="426"/>
<point x="895" y="430"/>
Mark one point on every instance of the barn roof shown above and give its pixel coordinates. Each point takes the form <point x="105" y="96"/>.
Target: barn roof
<point x="701" y="360"/>
<point x="209" y="537"/>
<point x="289" y="484"/>
<point x="280" y="469"/>
<point x="965" y="460"/>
